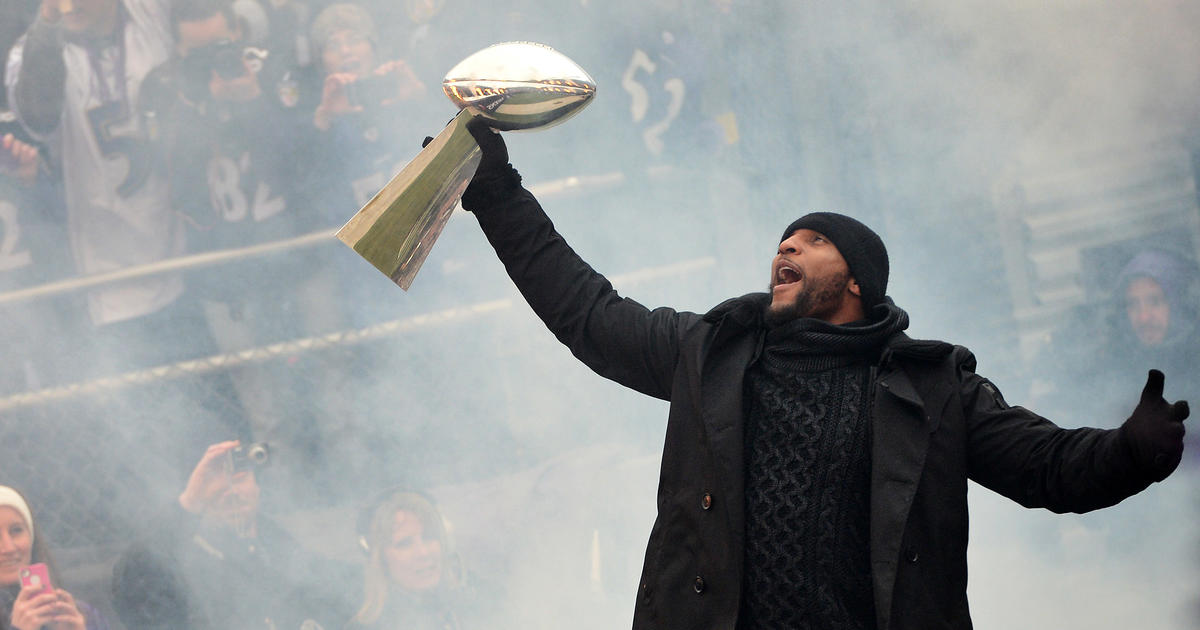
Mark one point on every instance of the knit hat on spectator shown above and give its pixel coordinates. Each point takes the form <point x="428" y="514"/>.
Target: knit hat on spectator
<point x="11" y="498"/>
<point x="342" y="17"/>
<point x="859" y="245"/>
<point x="1173" y="273"/>
<point x="1176" y="275"/>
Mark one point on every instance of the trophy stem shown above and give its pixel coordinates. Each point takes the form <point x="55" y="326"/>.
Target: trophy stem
<point x="396" y="229"/>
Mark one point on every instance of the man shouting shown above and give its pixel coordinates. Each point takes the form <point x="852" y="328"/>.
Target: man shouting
<point x="814" y="474"/>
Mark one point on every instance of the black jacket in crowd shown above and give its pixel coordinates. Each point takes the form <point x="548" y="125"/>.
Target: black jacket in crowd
<point x="191" y="576"/>
<point x="935" y="424"/>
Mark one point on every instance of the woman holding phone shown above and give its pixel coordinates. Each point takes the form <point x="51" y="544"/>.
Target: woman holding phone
<point x="27" y="576"/>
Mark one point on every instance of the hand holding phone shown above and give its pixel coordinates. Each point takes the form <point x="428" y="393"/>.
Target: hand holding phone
<point x="36" y="577"/>
<point x="40" y="605"/>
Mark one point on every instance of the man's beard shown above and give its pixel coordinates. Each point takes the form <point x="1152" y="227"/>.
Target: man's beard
<point x="816" y="297"/>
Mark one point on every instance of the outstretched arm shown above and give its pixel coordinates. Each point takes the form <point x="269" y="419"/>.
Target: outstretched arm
<point x="1038" y="464"/>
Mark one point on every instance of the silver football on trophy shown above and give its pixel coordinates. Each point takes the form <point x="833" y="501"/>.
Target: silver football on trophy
<point x="519" y="86"/>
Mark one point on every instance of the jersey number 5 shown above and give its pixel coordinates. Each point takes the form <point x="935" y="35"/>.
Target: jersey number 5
<point x="116" y="135"/>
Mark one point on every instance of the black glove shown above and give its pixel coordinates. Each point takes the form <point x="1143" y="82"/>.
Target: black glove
<point x="495" y="152"/>
<point x="494" y="178"/>
<point x="1155" y="430"/>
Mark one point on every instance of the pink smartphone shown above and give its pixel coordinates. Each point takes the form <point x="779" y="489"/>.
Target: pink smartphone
<point x="36" y="576"/>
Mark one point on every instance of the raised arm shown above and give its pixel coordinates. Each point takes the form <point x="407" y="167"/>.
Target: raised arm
<point x="617" y="337"/>
<point x="38" y="72"/>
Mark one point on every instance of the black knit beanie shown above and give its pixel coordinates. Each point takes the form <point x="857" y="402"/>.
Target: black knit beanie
<point x="859" y="245"/>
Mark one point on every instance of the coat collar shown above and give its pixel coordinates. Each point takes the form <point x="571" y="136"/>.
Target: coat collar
<point x="901" y="346"/>
<point x="745" y="311"/>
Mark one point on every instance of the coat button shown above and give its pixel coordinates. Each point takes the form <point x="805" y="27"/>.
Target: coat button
<point x="706" y="501"/>
<point x="911" y="554"/>
<point x="698" y="585"/>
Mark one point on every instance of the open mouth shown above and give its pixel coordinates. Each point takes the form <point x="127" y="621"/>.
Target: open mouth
<point x="786" y="274"/>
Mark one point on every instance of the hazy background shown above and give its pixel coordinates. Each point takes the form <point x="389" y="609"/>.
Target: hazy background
<point x="961" y="131"/>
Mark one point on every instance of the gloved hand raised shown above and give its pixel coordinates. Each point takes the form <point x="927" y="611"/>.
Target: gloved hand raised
<point x="1155" y="430"/>
<point x="495" y="152"/>
<point x="494" y="178"/>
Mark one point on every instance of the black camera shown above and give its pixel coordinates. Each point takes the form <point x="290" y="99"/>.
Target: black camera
<point x="371" y="91"/>
<point x="245" y="457"/>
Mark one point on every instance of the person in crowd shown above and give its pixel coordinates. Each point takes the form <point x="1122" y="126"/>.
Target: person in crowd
<point x="365" y="107"/>
<point x="31" y="606"/>
<point x="218" y="562"/>
<point x="225" y="129"/>
<point x="364" y="103"/>
<point x="413" y="578"/>
<point x="73" y="81"/>
<point x="815" y="467"/>
<point x="345" y="40"/>
<point x="365" y="100"/>
<point x="1158" y="292"/>
<point x="34" y="249"/>
<point x="229" y="129"/>
<point x="1150" y="320"/>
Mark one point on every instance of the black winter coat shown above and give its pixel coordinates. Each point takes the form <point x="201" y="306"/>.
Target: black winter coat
<point x="191" y="576"/>
<point x="935" y="425"/>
